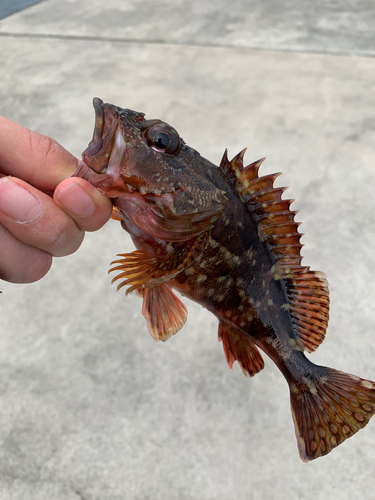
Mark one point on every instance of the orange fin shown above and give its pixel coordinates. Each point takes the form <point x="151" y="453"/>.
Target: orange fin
<point x="330" y="409"/>
<point x="309" y="307"/>
<point x="164" y="312"/>
<point x="116" y="214"/>
<point x="145" y="269"/>
<point x="241" y="348"/>
<point x="234" y="167"/>
<point x="307" y="291"/>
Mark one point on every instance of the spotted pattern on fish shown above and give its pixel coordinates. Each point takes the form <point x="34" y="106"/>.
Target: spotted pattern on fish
<point x="225" y="238"/>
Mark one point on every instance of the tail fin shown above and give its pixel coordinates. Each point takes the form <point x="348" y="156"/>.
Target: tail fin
<point x="329" y="409"/>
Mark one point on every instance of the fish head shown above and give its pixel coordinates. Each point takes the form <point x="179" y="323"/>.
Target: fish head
<point x="156" y="180"/>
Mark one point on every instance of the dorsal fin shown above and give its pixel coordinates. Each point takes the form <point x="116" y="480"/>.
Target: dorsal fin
<point x="307" y="290"/>
<point x="233" y="167"/>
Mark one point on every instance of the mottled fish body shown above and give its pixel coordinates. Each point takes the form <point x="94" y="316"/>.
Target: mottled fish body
<point x="225" y="238"/>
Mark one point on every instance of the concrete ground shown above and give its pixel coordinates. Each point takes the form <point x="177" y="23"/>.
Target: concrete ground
<point x="90" y="406"/>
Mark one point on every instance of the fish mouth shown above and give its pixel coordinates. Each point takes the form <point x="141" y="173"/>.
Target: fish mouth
<point x="96" y="143"/>
<point x="98" y="152"/>
<point x="102" y="158"/>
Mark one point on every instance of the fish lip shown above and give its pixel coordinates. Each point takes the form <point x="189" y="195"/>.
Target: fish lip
<point x="98" y="152"/>
<point x="97" y="140"/>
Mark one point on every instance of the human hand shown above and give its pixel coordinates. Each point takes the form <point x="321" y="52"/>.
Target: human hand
<point x="43" y="211"/>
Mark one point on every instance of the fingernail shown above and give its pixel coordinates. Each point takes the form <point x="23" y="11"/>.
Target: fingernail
<point x="18" y="203"/>
<point x="76" y="200"/>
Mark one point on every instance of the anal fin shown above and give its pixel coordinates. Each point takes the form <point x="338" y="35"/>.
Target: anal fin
<point x="238" y="347"/>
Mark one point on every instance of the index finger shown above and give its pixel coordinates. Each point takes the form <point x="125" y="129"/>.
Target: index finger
<point x="35" y="158"/>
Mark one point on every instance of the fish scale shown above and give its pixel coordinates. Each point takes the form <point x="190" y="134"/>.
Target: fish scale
<point x="223" y="237"/>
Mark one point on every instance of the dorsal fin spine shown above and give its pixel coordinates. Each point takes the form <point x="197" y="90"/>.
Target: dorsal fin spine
<point x="271" y="206"/>
<point x="307" y="291"/>
<point x="233" y="168"/>
<point x="224" y="161"/>
<point x="278" y="216"/>
<point x="263" y="196"/>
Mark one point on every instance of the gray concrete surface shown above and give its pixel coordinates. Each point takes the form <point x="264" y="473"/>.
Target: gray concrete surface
<point x="90" y="407"/>
<point x="327" y="26"/>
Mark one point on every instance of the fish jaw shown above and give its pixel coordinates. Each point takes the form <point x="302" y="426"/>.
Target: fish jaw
<point x="102" y="159"/>
<point x="98" y="152"/>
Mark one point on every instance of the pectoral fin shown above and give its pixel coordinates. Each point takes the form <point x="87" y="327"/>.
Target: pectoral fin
<point x="142" y="269"/>
<point x="148" y="273"/>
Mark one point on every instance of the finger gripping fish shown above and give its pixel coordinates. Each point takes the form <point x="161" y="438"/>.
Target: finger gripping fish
<point x="223" y="237"/>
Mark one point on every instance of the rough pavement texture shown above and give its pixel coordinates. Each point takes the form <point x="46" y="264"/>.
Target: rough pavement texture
<point x="90" y="407"/>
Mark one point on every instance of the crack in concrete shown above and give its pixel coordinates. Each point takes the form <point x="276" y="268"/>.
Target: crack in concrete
<point x="77" y="492"/>
<point x="86" y="38"/>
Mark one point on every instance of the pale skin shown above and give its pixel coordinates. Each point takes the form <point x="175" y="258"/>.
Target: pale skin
<point x="44" y="213"/>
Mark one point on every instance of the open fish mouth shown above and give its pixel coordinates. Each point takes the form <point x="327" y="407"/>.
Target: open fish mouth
<point x="97" y="141"/>
<point x="107" y="133"/>
<point x="101" y="160"/>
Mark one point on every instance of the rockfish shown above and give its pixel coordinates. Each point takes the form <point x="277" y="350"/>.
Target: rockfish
<point x="225" y="238"/>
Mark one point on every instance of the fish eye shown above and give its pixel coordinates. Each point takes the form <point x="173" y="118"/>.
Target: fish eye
<point x="162" y="141"/>
<point x="163" y="138"/>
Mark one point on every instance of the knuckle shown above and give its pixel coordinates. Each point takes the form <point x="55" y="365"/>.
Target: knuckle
<point x="46" y="149"/>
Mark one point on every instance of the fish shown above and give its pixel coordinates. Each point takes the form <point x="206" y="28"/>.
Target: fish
<point x="224" y="237"/>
